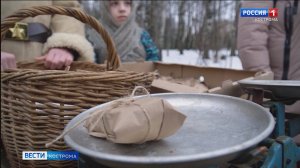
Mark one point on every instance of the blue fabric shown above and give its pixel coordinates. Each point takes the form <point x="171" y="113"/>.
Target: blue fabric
<point x="152" y="52"/>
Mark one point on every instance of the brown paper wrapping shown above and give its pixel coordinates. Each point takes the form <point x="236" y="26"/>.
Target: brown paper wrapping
<point x="136" y="121"/>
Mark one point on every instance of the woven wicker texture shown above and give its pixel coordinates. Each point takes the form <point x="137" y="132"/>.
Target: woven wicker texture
<point x="36" y="104"/>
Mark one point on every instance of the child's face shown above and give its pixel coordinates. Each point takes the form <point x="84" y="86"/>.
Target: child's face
<point x="120" y="10"/>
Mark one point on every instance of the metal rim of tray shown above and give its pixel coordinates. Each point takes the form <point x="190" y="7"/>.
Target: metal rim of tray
<point x="175" y="159"/>
<point x="278" y="89"/>
<point x="280" y="83"/>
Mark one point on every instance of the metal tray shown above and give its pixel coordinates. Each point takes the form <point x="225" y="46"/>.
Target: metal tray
<point x="283" y="89"/>
<point x="217" y="129"/>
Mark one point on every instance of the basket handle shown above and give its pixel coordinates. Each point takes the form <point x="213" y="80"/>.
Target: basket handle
<point x="113" y="61"/>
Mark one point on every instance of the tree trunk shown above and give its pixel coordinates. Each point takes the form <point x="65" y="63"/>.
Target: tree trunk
<point x="234" y="38"/>
<point x="206" y="26"/>
<point x="181" y="25"/>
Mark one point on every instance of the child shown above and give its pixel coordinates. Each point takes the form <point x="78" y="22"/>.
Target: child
<point x="132" y="42"/>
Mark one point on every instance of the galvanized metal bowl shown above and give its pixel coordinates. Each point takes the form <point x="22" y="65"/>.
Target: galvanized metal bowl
<point x="217" y="129"/>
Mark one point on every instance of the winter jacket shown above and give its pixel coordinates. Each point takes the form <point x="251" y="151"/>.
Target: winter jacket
<point x="152" y="53"/>
<point x="67" y="32"/>
<point x="261" y="43"/>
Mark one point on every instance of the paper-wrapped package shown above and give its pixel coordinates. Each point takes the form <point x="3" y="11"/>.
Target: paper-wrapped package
<point x="131" y="121"/>
<point x="134" y="121"/>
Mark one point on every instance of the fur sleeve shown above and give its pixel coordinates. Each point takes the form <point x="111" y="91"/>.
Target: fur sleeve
<point x="71" y="41"/>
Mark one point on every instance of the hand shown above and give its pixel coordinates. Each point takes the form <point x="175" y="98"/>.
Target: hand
<point x="8" y="61"/>
<point x="56" y="58"/>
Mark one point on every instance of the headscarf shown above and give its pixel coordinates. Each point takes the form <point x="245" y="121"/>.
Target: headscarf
<point x="126" y="36"/>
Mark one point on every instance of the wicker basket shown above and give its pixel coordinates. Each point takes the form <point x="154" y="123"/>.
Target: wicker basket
<point x="36" y="104"/>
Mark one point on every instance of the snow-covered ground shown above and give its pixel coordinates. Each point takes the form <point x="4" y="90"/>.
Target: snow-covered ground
<point x="192" y="57"/>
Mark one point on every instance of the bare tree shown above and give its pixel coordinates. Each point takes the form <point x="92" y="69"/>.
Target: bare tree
<point x="206" y="29"/>
<point x="181" y="25"/>
<point x="234" y="34"/>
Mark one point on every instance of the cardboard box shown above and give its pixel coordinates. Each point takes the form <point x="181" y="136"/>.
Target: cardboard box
<point x="218" y="80"/>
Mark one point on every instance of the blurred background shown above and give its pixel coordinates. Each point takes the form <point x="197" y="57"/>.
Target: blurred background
<point x="189" y="32"/>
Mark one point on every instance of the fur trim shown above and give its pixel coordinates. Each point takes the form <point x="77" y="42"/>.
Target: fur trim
<point x="71" y="41"/>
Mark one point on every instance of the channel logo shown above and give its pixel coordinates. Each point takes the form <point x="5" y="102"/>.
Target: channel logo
<point x="34" y="155"/>
<point x="50" y="155"/>
<point x="259" y="12"/>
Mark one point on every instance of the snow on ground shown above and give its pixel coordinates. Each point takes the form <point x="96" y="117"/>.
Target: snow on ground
<point x="192" y="57"/>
